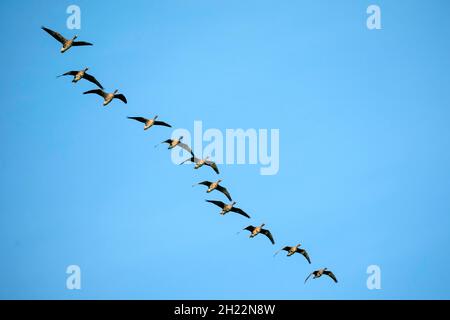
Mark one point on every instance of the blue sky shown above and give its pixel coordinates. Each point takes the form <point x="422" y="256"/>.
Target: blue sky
<point x="364" y="149"/>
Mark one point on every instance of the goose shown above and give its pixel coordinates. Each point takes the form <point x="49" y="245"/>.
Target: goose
<point x="177" y="142"/>
<point x="148" y="123"/>
<point x="66" y="43"/>
<point x="201" y="162"/>
<point x="215" y="186"/>
<point x="228" y="207"/>
<point x="320" y="272"/>
<point x="108" y="97"/>
<point x="82" y="74"/>
<point x="254" y="231"/>
<point x="296" y="249"/>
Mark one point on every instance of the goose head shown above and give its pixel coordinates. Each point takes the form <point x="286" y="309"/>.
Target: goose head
<point x="155" y="117"/>
<point x="262" y="225"/>
<point x="297" y="246"/>
<point x="86" y="69"/>
<point x="115" y="91"/>
<point x="74" y="37"/>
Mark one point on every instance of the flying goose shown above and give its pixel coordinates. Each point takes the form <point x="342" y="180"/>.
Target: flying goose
<point x="254" y="231"/>
<point x="320" y="272"/>
<point x="228" y="207"/>
<point x="66" y="43"/>
<point x="200" y="162"/>
<point x="148" y="123"/>
<point x="82" y="74"/>
<point x="215" y="186"/>
<point x="296" y="249"/>
<point x="177" y="142"/>
<point x="108" y="97"/>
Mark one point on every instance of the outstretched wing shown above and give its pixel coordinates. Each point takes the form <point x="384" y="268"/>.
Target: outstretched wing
<point x="140" y="119"/>
<point x="55" y="35"/>
<point x="268" y="235"/>
<point x="331" y="275"/>
<point x="169" y="141"/>
<point x="309" y="276"/>
<point x="213" y="165"/>
<point x="249" y="228"/>
<point x="81" y="43"/>
<point x="191" y="159"/>
<point x="240" y="211"/>
<point x="217" y="203"/>
<point x="162" y="123"/>
<point x="96" y="91"/>
<point x="287" y="248"/>
<point x="205" y="183"/>
<point x="90" y="78"/>
<point x="185" y="147"/>
<point x="121" y="97"/>
<point x="69" y="73"/>
<point x="305" y="254"/>
<point x="224" y="191"/>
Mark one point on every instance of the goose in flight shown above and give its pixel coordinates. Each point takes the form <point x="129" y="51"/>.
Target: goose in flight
<point x="254" y="231"/>
<point x="177" y="142"/>
<point x="215" y="186"/>
<point x="295" y="249"/>
<point x="82" y="74"/>
<point x="66" y="43"/>
<point x="108" y="97"/>
<point x="201" y="162"/>
<point x="148" y="123"/>
<point x="228" y="207"/>
<point x="320" y="272"/>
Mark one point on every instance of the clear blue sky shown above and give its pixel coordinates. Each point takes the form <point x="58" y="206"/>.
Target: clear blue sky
<point x="364" y="161"/>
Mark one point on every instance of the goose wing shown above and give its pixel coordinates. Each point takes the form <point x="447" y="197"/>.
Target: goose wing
<point x="69" y="73"/>
<point x="240" y="211"/>
<point x="305" y="254"/>
<point x="121" y="97"/>
<point x="90" y="78"/>
<point x="287" y="248"/>
<point x="140" y="119"/>
<point x="249" y="228"/>
<point x="162" y="123"/>
<point x="309" y="276"/>
<point x="331" y="275"/>
<point x="96" y="91"/>
<point x="205" y="183"/>
<point x="191" y="159"/>
<point x="268" y="235"/>
<point x="224" y="191"/>
<point x="217" y="203"/>
<point x="55" y="35"/>
<point x="81" y="43"/>
<point x="213" y="165"/>
<point x="185" y="147"/>
<point x="169" y="141"/>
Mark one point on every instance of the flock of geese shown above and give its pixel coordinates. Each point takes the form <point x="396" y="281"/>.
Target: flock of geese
<point x="108" y="97"/>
